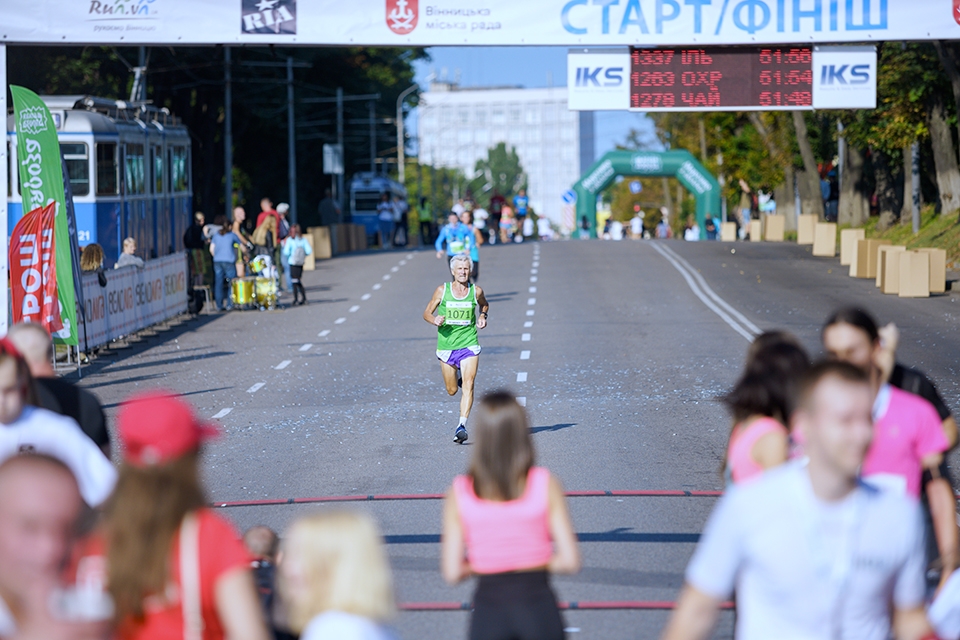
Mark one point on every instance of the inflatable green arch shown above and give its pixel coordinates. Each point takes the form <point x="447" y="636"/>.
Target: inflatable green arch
<point x="648" y="164"/>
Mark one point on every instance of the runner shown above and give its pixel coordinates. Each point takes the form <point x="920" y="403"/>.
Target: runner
<point x="457" y="321"/>
<point x="520" y="205"/>
<point x="467" y="219"/>
<point x="458" y="238"/>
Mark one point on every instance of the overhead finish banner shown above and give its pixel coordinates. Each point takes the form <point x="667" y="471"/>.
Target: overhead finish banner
<point x="41" y="183"/>
<point x="477" y="22"/>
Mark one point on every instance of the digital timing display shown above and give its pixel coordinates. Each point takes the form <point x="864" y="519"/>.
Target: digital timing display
<point x="721" y="78"/>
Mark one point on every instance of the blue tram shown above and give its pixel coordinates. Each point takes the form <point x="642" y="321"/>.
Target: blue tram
<point x="129" y="169"/>
<point x="365" y="191"/>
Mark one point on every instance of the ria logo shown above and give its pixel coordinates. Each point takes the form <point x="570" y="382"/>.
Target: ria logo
<point x="600" y="77"/>
<point x="833" y="74"/>
<point x="402" y="16"/>
<point x="268" y="16"/>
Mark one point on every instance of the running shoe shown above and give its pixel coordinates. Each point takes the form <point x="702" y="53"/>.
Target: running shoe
<point x="461" y="435"/>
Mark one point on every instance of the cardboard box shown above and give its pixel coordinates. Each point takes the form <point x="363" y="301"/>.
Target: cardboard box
<point x="867" y="257"/>
<point x="756" y="231"/>
<point x="806" y="228"/>
<point x="322" y="249"/>
<point x="728" y="231"/>
<point x="914" y="274"/>
<point x="825" y="239"/>
<point x="938" y="269"/>
<point x="848" y="246"/>
<point x="773" y="231"/>
<point x="888" y="268"/>
<point x="310" y="263"/>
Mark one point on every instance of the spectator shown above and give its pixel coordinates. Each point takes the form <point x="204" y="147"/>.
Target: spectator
<point x="91" y="259"/>
<point x="40" y="506"/>
<point x="636" y="225"/>
<point x="193" y="237"/>
<point x="283" y="232"/>
<point x="425" y="216"/>
<point x="262" y="544"/>
<point x="329" y="209"/>
<point x="385" y="215"/>
<point x="53" y="392"/>
<point x="157" y="531"/>
<point x="335" y="578"/>
<point x="691" y="232"/>
<point x="401" y="218"/>
<point x="507" y="522"/>
<point x="584" y="228"/>
<point x="544" y="230"/>
<point x="224" y="247"/>
<point x="295" y="252"/>
<point x="711" y="227"/>
<point x="239" y="218"/>
<point x="129" y="257"/>
<point x="27" y="428"/>
<point x="267" y="211"/>
<point x="663" y="230"/>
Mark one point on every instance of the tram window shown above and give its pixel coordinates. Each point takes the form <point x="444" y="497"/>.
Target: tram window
<point x="366" y="201"/>
<point x="134" y="169"/>
<point x="108" y="183"/>
<point x="10" y="175"/>
<point x="77" y="159"/>
<point x="178" y="170"/>
<point x="157" y="155"/>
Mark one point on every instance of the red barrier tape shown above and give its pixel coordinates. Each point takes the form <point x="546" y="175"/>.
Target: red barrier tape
<point x="439" y="496"/>
<point x="638" y="605"/>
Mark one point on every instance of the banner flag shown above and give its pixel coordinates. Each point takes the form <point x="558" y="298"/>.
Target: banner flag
<point x="33" y="270"/>
<point x="74" y="248"/>
<point x="41" y="183"/>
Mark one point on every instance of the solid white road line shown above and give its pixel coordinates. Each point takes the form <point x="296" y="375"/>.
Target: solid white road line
<point x="524" y="355"/>
<point x="522" y="376"/>
<point x="709" y="291"/>
<point x="692" y="283"/>
<point x="530" y="312"/>
<point x="355" y="308"/>
<point x="525" y="337"/>
<point x="522" y="401"/>
<point x="222" y="413"/>
<point x="283" y="365"/>
<point x="531" y="301"/>
<point x="256" y="387"/>
<point x="339" y="321"/>
<point x="377" y="286"/>
<point x="306" y="347"/>
<point x="365" y="296"/>
<point x="324" y="333"/>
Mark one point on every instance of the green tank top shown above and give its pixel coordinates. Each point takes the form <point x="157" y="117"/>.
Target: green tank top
<point x="459" y="329"/>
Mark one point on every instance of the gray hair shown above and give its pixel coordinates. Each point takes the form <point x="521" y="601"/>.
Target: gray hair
<point x="462" y="257"/>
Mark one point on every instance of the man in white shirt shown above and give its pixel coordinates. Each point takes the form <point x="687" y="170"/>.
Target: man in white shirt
<point x="811" y="552"/>
<point x="27" y="429"/>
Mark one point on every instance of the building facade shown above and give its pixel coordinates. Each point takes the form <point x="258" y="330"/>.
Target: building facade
<point x="457" y="126"/>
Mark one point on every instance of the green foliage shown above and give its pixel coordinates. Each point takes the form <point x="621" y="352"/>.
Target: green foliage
<point x="501" y="172"/>
<point x="436" y="184"/>
<point x="938" y="231"/>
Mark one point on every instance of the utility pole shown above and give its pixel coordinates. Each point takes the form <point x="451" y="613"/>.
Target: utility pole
<point x="373" y="137"/>
<point x="228" y="133"/>
<point x="400" y="150"/>
<point x="291" y="145"/>
<point x="340" y="142"/>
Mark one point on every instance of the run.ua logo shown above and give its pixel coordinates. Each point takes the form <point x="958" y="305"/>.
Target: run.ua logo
<point x="599" y="76"/>
<point x="832" y="74"/>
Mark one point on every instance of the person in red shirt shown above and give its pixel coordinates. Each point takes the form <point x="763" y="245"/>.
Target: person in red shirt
<point x="266" y="209"/>
<point x="173" y="567"/>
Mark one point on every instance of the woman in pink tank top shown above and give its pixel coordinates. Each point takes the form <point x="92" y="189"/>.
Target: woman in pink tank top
<point x="761" y="403"/>
<point x="507" y="522"/>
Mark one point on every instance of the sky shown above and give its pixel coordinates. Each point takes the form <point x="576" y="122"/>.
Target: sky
<point x="530" y="67"/>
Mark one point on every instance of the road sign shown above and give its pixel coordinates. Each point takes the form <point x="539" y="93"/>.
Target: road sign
<point x="333" y="159"/>
<point x="635" y="187"/>
<point x="569" y="196"/>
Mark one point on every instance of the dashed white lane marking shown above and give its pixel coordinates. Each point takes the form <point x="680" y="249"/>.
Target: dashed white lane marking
<point x="522" y="401"/>
<point x="386" y="277"/>
<point x="530" y="312"/>
<point x="521" y="376"/>
<point x="339" y="321"/>
<point x="355" y="308"/>
<point x="365" y="296"/>
<point x="394" y="269"/>
<point x="376" y="286"/>
<point x="525" y="337"/>
<point x="524" y="355"/>
<point x="533" y="278"/>
<point x="534" y="271"/>
<point x="532" y="289"/>
<point x="256" y="387"/>
<point x="531" y="301"/>
<point x="307" y="347"/>
<point x="283" y="365"/>
<point x="324" y="333"/>
<point x="410" y="256"/>
<point x="528" y="324"/>
<point x="535" y="264"/>
<point x="402" y="262"/>
<point x="222" y="413"/>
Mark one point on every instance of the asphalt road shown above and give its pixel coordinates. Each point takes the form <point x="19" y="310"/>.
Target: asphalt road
<point x="619" y="349"/>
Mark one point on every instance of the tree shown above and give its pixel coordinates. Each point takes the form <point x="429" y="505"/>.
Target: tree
<point x="500" y="172"/>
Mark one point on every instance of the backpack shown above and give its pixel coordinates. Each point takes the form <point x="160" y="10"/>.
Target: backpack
<point x="284" y="229"/>
<point x="298" y="256"/>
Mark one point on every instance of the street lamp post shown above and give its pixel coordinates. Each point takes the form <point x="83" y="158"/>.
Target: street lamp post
<point x="400" y="159"/>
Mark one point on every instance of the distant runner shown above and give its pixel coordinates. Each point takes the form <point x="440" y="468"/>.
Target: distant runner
<point x="461" y="309"/>
<point x="458" y="238"/>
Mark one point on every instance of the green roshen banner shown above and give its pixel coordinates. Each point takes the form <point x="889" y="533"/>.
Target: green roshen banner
<point x="41" y="181"/>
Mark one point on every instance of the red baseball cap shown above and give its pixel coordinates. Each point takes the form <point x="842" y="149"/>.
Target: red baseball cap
<point x="157" y="426"/>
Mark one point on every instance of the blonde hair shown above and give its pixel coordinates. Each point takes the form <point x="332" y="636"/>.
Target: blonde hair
<point x="340" y="560"/>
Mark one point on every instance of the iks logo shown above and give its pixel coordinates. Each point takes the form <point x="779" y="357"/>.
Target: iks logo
<point x="268" y="16"/>
<point x="844" y="74"/>
<point x="599" y="76"/>
<point x="402" y="16"/>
